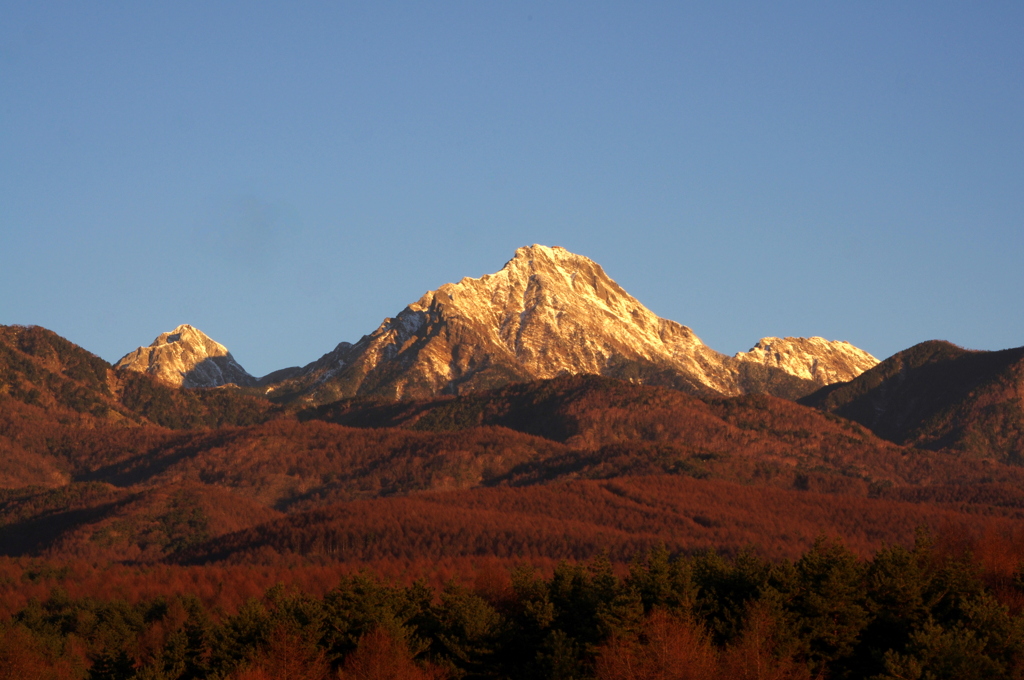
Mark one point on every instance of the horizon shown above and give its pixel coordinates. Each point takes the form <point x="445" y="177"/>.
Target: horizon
<point x="285" y="177"/>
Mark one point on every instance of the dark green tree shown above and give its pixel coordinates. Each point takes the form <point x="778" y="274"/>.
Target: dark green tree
<point x="828" y="605"/>
<point x="467" y="631"/>
<point x="662" y="582"/>
<point x="112" y="665"/>
<point x="724" y="590"/>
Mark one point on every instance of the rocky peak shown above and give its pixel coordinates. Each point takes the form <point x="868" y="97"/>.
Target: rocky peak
<point x="549" y="312"/>
<point x="817" y="359"/>
<point x="186" y="357"/>
<point x="558" y="313"/>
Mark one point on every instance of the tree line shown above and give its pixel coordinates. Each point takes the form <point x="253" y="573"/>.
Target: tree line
<point x="926" y="611"/>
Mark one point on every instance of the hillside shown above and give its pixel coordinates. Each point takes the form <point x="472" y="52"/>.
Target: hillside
<point x="936" y="395"/>
<point x="578" y="520"/>
<point x="531" y="435"/>
<point x="110" y="464"/>
<point x="612" y="428"/>
<point x="97" y="521"/>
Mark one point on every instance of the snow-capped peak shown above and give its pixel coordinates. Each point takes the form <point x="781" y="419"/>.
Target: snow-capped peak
<point x="186" y="357"/>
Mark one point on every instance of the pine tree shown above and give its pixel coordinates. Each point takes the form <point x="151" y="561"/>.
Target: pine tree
<point x="113" y="666"/>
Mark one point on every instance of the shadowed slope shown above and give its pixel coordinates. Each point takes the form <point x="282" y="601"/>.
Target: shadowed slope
<point x="937" y="395"/>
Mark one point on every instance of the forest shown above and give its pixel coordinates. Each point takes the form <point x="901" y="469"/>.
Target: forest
<point x="931" y="610"/>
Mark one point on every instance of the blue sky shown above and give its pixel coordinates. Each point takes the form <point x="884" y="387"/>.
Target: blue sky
<point x="285" y="175"/>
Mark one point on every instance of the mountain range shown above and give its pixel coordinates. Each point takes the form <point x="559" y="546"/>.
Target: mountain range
<point x="546" y="313"/>
<point x="543" y="405"/>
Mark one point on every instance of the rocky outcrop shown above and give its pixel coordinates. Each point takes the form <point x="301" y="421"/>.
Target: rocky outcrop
<point x="816" y="359"/>
<point x="547" y="313"/>
<point x="187" y="357"/>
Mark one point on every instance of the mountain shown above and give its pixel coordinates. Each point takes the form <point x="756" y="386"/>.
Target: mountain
<point x="187" y="357"/>
<point x="816" y="359"/>
<point x="548" y="313"/>
<point x="48" y="382"/>
<point x="937" y="395"/>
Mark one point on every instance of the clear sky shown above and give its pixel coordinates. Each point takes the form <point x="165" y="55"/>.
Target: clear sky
<point x="285" y="175"/>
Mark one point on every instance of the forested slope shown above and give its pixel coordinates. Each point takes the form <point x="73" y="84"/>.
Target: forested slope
<point x="936" y="395"/>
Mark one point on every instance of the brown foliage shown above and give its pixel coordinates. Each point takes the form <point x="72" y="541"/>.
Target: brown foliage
<point x="287" y="655"/>
<point x="757" y="656"/>
<point x="937" y="395"/>
<point x="577" y="520"/>
<point x="22" y="657"/>
<point x="668" y="648"/>
<point x="380" y="656"/>
<point x="285" y="463"/>
<point x="613" y="428"/>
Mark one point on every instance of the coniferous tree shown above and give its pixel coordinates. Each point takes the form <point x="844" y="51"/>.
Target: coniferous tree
<point x="829" y="604"/>
<point x="113" y="665"/>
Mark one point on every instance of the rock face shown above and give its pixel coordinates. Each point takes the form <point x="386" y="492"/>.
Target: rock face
<point x="547" y="313"/>
<point x="816" y="359"/>
<point x="187" y="357"/>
